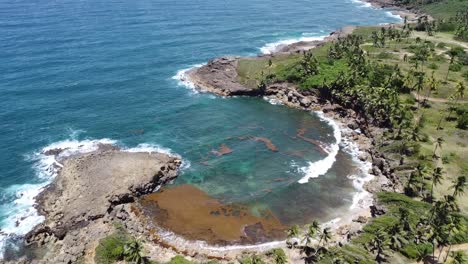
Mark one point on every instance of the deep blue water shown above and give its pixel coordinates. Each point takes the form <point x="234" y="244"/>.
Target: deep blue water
<point x="76" y="70"/>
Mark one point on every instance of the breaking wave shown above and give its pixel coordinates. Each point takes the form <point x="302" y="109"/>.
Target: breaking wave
<point x="275" y="46"/>
<point x="320" y="167"/>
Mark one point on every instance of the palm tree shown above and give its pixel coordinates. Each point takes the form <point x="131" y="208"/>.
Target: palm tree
<point x="311" y="232"/>
<point x="413" y="185"/>
<point x="423" y="253"/>
<point x="459" y="186"/>
<point x="404" y="219"/>
<point x="459" y="94"/>
<point x="313" y="255"/>
<point x="378" y="245"/>
<point x="292" y="233"/>
<point x="453" y="227"/>
<point x="433" y="84"/>
<point x="397" y="238"/>
<point x="133" y="252"/>
<point x="437" y="178"/>
<point x="449" y="203"/>
<point x="419" y="85"/>
<point x="438" y="144"/>
<point x="453" y="53"/>
<point x="325" y="236"/>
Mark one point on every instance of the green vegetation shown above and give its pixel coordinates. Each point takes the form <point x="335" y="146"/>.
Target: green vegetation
<point x="278" y="256"/>
<point x="440" y="9"/>
<point x="180" y="260"/>
<point x="119" y="246"/>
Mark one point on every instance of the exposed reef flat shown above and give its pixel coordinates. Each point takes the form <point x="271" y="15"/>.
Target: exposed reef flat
<point x="190" y="212"/>
<point x="80" y="203"/>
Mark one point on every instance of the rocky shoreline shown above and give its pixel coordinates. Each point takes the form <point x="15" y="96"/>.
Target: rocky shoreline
<point x="96" y="189"/>
<point x="219" y="76"/>
<point x="89" y="192"/>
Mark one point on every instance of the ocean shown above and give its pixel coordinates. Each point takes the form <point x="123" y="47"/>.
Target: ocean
<point x="76" y="73"/>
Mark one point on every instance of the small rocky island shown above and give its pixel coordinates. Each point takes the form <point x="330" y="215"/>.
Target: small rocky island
<point x="91" y="190"/>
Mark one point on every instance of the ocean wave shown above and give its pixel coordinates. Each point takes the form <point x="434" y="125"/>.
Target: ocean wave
<point x="274" y="46"/>
<point x="362" y="3"/>
<point x="182" y="80"/>
<point x="168" y="235"/>
<point x="320" y="167"/>
<point x="23" y="217"/>
<point x="390" y="14"/>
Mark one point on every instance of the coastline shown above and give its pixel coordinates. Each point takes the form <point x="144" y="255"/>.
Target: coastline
<point x="353" y="141"/>
<point x="218" y="77"/>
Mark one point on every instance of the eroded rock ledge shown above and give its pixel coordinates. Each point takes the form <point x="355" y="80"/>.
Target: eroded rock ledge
<point x="79" y="205"/>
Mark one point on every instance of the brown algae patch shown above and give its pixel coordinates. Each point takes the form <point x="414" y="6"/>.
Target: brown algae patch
<point x="268" y="143"/>
<point x="223" y="150"/>
<point x="191" y="213"/>
<point x="300" y="134"/>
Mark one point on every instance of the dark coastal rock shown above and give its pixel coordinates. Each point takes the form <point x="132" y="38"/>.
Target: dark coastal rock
<point x="379" y="163"/>
<point x="377" y="210"/>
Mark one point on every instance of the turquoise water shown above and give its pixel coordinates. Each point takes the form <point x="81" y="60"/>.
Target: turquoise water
<point x="88" y="70"/>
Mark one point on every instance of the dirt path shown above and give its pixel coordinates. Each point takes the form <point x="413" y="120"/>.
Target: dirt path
<point x="436" y="100"/>
<point x="440" y="37"/>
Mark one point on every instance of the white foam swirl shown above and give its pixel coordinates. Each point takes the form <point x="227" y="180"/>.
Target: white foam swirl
<point x="182" y="80"/>
<point x="275" y="46"/>
<point x="317" y="168"/>
<point x="362" y="3"/>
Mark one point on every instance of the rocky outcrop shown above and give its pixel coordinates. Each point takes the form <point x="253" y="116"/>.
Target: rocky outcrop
<point x="219" y="76"/>
<point x="79" y="203"/>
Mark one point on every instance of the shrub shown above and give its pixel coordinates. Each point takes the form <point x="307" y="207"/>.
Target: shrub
<point x="462" y="121"/>
<point x="463" y="59"/>
<point x="180" y="260"/>
<point x="251" y="260"/>
<point x="465" y="75"/>
<point x="441" y="45"/>
<point x="433" y="66"/>
<point x="111" y="248"/>
<point x="455" y="67"/>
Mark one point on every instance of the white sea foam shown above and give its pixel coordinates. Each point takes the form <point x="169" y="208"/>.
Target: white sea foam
<point x="150" y="148"/>
<point x="175" y="239"/>
<point x="275" y="46"/>
<point x="363" y="176"/>
<point x="182" y="80"/>
<point x="272" y="101"/>
<point x="392" y="15"/>
<point x="317" y="168"/>
<point x="362" y="3"/>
